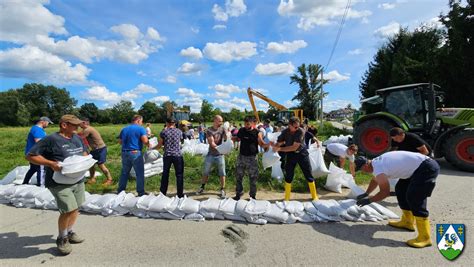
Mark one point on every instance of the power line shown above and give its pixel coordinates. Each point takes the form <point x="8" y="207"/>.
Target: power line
<point x="343" y="20"/>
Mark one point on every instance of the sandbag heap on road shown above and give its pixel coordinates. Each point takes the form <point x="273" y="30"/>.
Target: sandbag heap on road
<point x="174" y="208"/>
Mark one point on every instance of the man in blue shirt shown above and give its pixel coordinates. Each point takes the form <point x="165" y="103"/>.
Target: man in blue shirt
<point x="34" y="136"/>
<point x="132" y="138"/>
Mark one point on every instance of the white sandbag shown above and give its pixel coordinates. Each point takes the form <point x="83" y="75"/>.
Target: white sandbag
<point x="226" y="147"/>
<point x="23" y="202"/>
<point x="318" y="167"/>
<point x="292" y="207"/>
<point x="335" y="179"/>
<point x="384" y="211"/>
<point x="277" y="172"/>
<point x="210" y="209"/>
<point x="270" y="158"/>
<point x="152" y="142"/>
<point x="347" y="180"/>
<point x="99" y="203"/>
<point x="194" y="217"/>
<point x="86" y="206"/>
<point x="7" y="190"/>
<point x="240" y="207"/>
<point x="173" y="208"/>
<point x="273" y="137"/>
<point x="21" y="190"/>
<point x="145" y="201"/>
<point x="227" y="206"/>
<point x="160" y="203"/>
<point x="306" y="218"/>
<point x="257" y="220"/>
<point x="114" y="208"/>
<point x="236" y="218"/>
<point x="151" y="155"/>
<point x="355" y="191"/>
<point x="16" y="174"/>
<point x="129" y="202"/>
<point x="155" y="215"/>
<point x="368" y="210"/>
<point x="189" y="205"/>
<point x="328" y="207"/>
<point x="201" y="149"/>
<point x="274" y="212"/>
<point x="76" y="166"/>
<point x="257" y="207"/>
<point x="313" y="212"/>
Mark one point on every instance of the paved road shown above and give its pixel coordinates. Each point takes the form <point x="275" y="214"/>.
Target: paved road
<point x="27" y="238"/>
<point x="341" y="126"/>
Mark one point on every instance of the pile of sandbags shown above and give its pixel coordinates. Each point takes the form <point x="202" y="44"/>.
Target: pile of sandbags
<point x="341" y="139"/>
<point x="17" y="175"/>
<point x="174" y="208"/>
<point x="194" y="147"/>
<point x="151" y="168"/>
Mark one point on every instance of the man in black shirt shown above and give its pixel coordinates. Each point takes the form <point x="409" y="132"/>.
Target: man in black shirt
<point x="250" y="138"/>
<point x="296" y="153"/>
<point x="402" y="140"/>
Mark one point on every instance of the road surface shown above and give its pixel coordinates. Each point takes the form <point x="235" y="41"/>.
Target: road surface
<point x="28" y="235"/>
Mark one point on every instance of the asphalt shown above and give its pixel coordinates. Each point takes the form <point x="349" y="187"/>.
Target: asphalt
<point x="28" y="235"/>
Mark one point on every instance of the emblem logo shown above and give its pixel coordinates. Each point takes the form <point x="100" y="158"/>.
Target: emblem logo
<point x="450" y="239"/>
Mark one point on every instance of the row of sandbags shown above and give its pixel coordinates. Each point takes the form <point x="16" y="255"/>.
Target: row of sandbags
<point x="163" y="207"/>
<point x="341" y="139"/>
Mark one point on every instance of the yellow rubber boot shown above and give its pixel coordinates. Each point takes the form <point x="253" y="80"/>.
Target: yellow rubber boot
<point x="406" y="222"/>
<point x="287" y="191"/>
<point x="312" y="190"/>
<point x="424" y="233"/>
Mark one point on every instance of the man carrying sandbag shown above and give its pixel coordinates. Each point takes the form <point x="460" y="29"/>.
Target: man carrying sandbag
<point x="69" y="197"/>
<point x="171" y="138"/>
<point x="250" y="139"/>
<point x="420" y="171"/>
<point x="132" y="138"/>
<point x="338" y="153"/>
<point x="296" y="153"/>
<point x="98" y="151"/>
<point x="215" y="134"/>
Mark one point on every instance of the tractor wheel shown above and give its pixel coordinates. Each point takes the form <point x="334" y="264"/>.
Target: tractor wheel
<point x="373" y="137"/>
<point x="460" y="150"/>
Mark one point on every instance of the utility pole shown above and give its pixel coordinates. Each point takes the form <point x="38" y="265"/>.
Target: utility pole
<point x="321" y="96"/>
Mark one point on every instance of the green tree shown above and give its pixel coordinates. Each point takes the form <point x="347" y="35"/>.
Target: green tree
<point x="234" y="115"/>
<point x="207" y="110"/>
<point x="309" y="93"/>
<point x="90" y="111"/>
<point x="149" y="111"/>
<point x="122" y="112"/>
<point x="13" y="111"/>
<point x="104" y="116"/>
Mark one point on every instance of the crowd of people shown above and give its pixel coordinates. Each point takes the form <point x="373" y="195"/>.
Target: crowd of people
<point x="409" y="162"/>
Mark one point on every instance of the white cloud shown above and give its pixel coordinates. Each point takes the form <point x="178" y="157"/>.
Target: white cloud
<point x="188" y="93"/>
<point x="128" y="31"/>
<point x="233" y="8"/>
<point x="188" y="68"/>
<point x="32" y="63"/>
<point x="153" y="34"/>
<point x="195" y="30"/>
<point x="101" y="93"/>
<point x="290" y="103"/>
<point x="219" y="27"/>
<point x="286" y="47"/>
<point x="144" y="89"/>
<point x="159" y="99"/>
<point x="190" y="98"/>
<point x="388" y="30"/>
<point x="224" y="91"/>
<point x="433" y="23"/>
<point x="334" y="76"/>
<point x="141" y="73"/>
<point x="170" y="79"/>
<point x="225" y="105"/>
<point x="318" y="12"/>
<point x="229" y="51"/>
<point x="21" y="21"/>
<point x="191" y="52"/>
<point x="386" y="6"/>
<point x="356" y="51"/>
<point x="335" y="104"/>
<point x="275" y="69"/>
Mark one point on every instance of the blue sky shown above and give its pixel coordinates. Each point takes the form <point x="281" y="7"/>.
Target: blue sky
<point x="186" y="51"/>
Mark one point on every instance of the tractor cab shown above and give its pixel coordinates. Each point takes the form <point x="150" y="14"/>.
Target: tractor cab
<point x="182" y="116"/>
<point x="285" y="115"/>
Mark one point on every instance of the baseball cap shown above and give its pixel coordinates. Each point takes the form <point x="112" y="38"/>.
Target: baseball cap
<point x="70" y="119"/>
<point x="359" y="162"/>
<point x="46" y="119"/>
<point x="171" y="120"/>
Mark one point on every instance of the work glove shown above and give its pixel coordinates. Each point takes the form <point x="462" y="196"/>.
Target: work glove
<point x="361" y="196"/>
<point x="363" y="201"/>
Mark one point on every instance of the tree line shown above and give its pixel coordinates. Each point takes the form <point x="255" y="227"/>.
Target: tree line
<point x="444" y="56"/>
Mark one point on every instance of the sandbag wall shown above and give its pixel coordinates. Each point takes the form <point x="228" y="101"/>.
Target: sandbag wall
<point x="174" y="208"/>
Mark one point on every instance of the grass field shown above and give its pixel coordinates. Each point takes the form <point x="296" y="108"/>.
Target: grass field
<point x="13" y="140"/>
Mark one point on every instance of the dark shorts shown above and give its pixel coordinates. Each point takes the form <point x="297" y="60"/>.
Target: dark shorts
<point x="100" y="155"/>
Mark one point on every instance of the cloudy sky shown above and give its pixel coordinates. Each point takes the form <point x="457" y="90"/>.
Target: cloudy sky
<point x="104" y="51"/>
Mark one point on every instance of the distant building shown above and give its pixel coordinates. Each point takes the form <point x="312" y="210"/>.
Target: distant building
<point x="340" y="114"/>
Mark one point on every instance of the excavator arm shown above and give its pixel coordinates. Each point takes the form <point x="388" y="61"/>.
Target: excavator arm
<point x="252" y="93"/>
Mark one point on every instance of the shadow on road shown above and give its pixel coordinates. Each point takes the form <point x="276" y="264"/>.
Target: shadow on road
<point x="448" y="169"/>
<point x="358" y="233"/>
<point x="22" y="247"/>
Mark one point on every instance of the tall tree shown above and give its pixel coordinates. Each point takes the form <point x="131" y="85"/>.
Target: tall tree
<point x="122" y="112"/>
<point x="309" y="93"/>
<point x="149" y="111"/>
<point x="207" y="110"/>
<point x="90" y="111"/>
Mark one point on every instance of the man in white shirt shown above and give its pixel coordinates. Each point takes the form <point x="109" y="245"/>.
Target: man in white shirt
<point x="421" y="172"/>
<point x="338" y="153"/>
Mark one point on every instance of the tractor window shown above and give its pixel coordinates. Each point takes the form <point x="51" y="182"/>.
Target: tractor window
<point x="407" y="105"/>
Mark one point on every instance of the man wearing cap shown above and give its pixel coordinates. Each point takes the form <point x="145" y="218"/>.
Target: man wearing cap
<point x="338" y="153"/>
<point x="98" y="151"/>
<point x="420" y="172"/>
<point x="132" y="138"/>
<point x="170" y="139"/>
<point x="69" y="197"/>
<point x="402" y="140"/>
<point x="34" y="136"/>
<point x="296" y="153"/>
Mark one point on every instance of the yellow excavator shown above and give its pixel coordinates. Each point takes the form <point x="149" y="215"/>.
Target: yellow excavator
<point x="284" y="113"/>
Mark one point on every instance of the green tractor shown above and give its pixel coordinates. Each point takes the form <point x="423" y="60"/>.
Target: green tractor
<point x="417" y="108"/>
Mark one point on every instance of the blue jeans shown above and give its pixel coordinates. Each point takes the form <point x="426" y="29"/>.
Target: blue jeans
<point x="132" y="159"/>
<point x="210" y="160"/>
